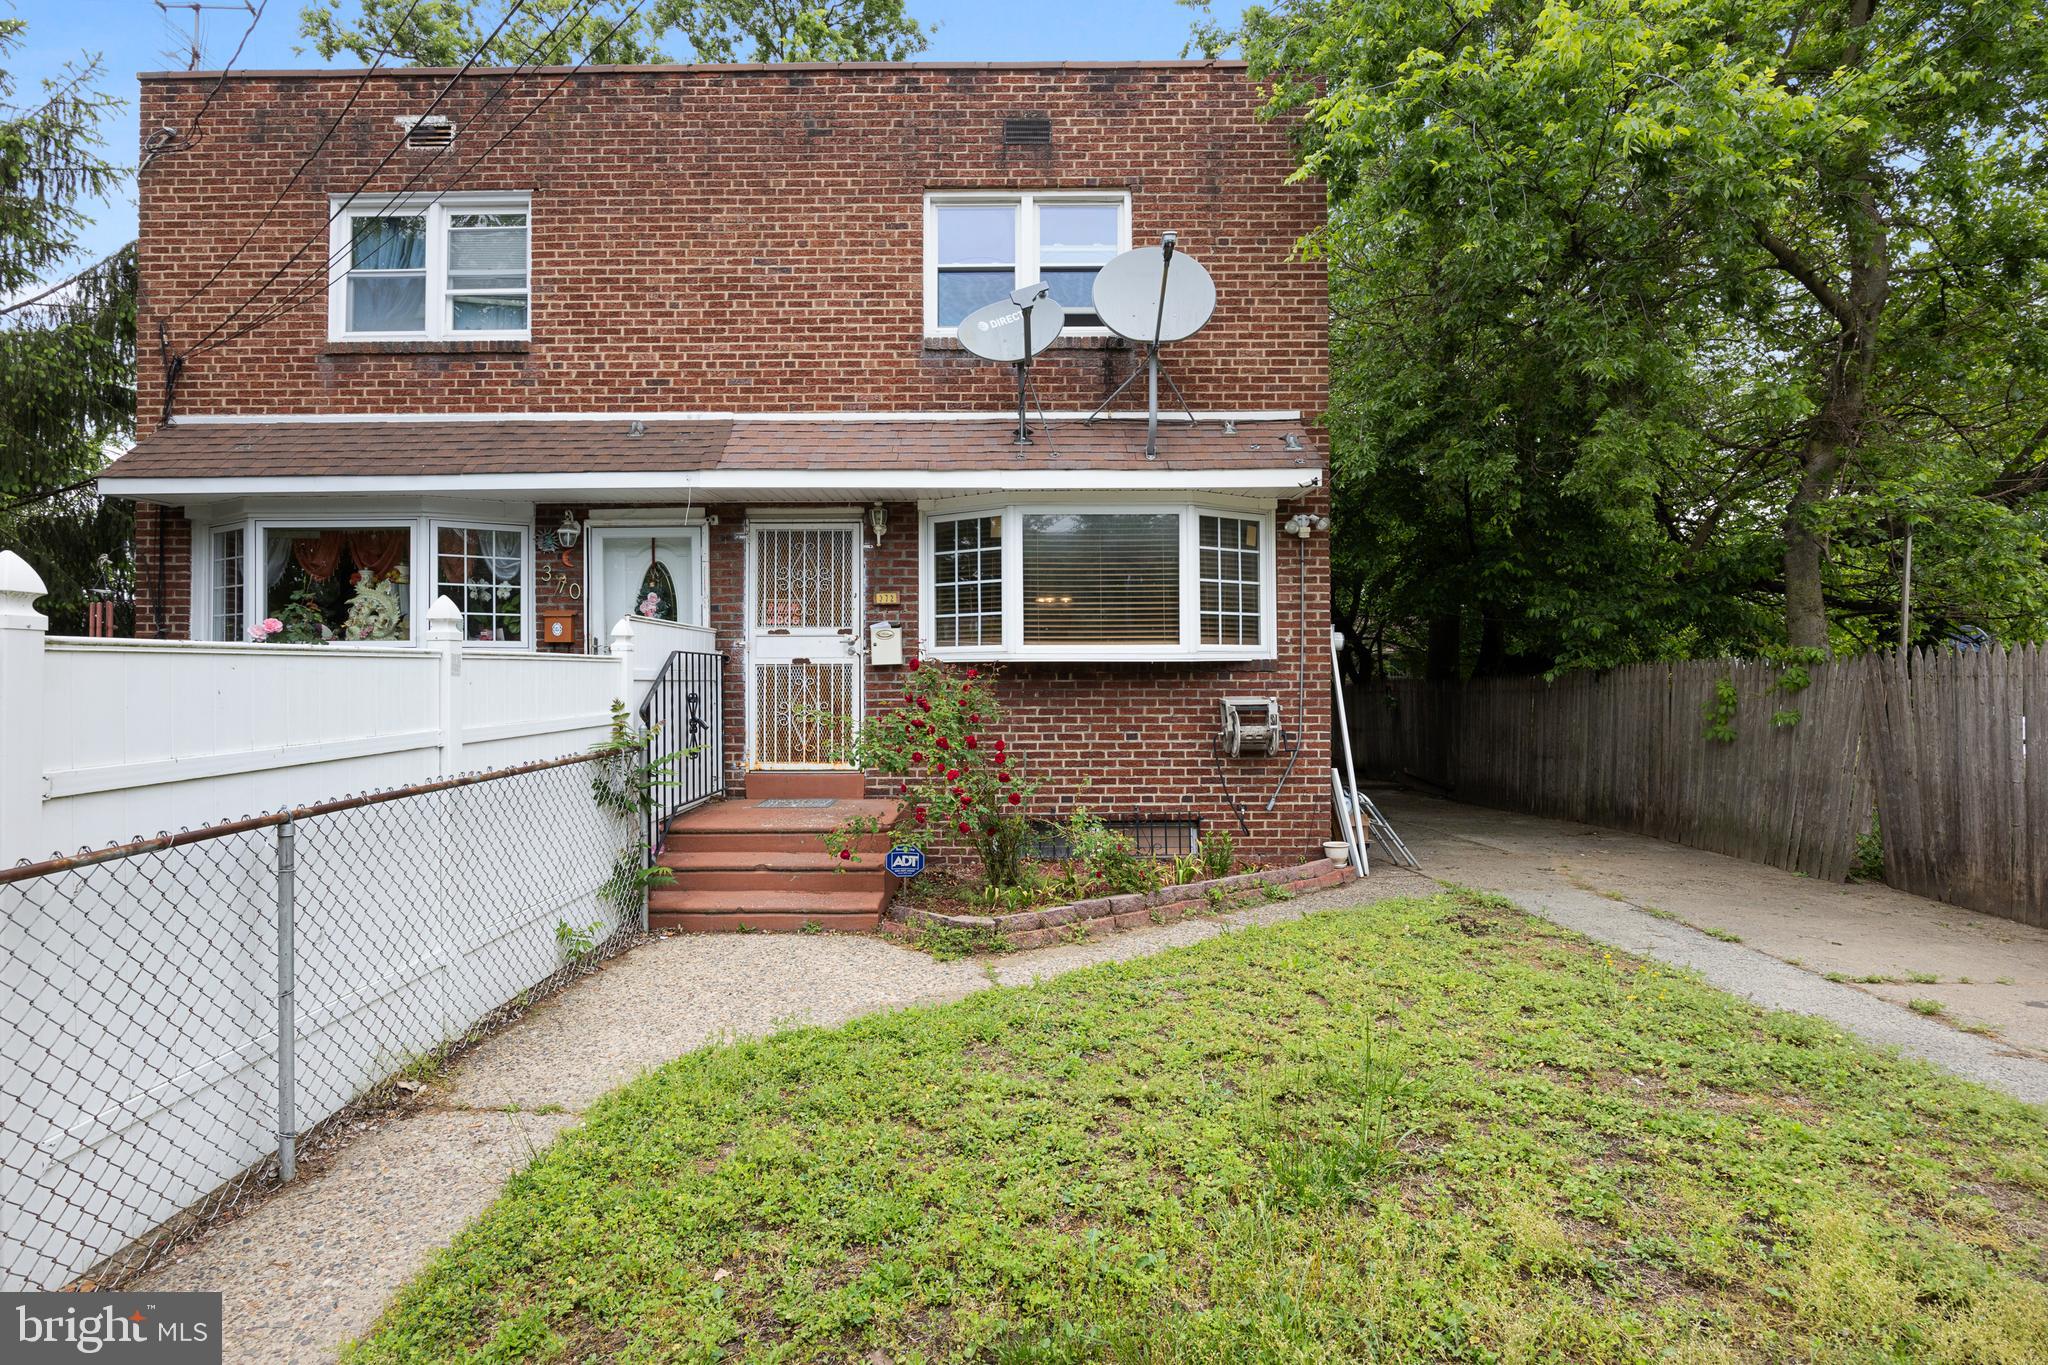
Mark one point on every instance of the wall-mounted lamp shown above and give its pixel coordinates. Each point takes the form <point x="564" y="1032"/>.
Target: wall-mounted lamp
<point x="878" y="520"/>
<point x="568" y="533"/>
<point x="1303" y="525"/>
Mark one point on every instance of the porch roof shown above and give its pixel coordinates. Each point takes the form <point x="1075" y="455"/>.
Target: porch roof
<point x="712" y="456"/>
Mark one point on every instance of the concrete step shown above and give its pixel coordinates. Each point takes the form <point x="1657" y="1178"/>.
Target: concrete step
<point x="773" y="922"/>
<point x="756" y="816"/>
<point x="840" y="783"/>
<point x="715" y="869"/>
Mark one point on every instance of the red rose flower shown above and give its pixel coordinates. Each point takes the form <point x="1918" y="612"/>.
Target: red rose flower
<point x="1002" y="777"/>
<point x="973" y="672"/>
<point x="912" y="665"/>
<point x="952" y="774"/>
<point x="1016" y="799"/>
<point x="920" y="812"/>
<point x="965" y="828"/>
<point x="845" y="854"/>
<point x="970" y="741"/>
<point x="965" y="799"/>
<point x="1001" y="759"/>
<point x="917" y="756"/>
<point x="944" y="743"/>
<point x="920" y="817"/>
<point x="924" y="704"/>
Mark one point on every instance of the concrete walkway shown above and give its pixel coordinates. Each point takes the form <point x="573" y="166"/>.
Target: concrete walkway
<point x="313" y="1266"/>
<point x="1856" y="954"/>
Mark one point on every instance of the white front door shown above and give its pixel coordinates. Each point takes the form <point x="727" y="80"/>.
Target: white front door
<point x="660" y="568"/>
<point x="803" y="642"/>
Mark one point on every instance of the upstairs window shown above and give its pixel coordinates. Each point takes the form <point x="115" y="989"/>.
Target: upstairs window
<point x="456" y="268"/>
<point x="980" y="247"/>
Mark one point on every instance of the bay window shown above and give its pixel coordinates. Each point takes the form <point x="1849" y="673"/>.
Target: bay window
<point x="981" y="246"/>
<point x="363" y="579"/>
<point x="1025" y="581"/>
<point x="452" y="268"/>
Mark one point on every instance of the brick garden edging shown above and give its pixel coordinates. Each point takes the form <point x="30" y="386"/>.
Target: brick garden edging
<point x="1036" y="928"/>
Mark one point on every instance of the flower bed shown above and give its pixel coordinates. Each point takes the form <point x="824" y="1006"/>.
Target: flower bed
<point x="1035" y="928"/>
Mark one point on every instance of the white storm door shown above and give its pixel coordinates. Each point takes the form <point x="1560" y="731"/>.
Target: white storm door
<point x="803" y="642"/>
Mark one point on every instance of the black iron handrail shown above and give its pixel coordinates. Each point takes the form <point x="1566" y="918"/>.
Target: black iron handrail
<point x="684" y="717"/>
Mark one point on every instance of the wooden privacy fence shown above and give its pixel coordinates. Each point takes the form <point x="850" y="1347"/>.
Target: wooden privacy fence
<point x="1943" y="760"/>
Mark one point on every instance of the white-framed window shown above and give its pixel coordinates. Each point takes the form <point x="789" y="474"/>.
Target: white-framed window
<point x="1101" y="581"/>
<point x="365" y="576"/>
<point x="1231" y="575"/>
<point x="424" y="269"/>
<point x="227" y="607"/>
<point x="979" y="246"/>
<point x="482" y="570"/>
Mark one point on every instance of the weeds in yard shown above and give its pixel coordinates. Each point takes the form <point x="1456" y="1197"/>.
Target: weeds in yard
<point x="1931" y="1008"/>
<point x="951" y="942"/>
<point x="1722" y="934"/>
<point x="1416" y="1131"/>
<point x="1922" y="978"/>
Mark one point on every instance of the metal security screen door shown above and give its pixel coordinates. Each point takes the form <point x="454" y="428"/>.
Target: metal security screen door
<point x="803" y="642"/>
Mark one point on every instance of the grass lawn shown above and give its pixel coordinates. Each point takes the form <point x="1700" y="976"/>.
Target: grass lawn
<point x="1426" y="1130"/>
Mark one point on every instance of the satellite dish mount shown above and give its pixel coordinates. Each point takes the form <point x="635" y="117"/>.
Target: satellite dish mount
<point x="1014" y="330"/>
<point x="1153" y="295"/>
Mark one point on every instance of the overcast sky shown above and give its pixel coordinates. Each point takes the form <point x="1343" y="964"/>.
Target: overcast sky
<point x="134" y="35"/>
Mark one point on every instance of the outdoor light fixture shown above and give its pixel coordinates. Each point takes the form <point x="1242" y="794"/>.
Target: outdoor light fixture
<point x="1303" y="525"/>
<point x="878" y="520"/>
<point x="568" y="533"/>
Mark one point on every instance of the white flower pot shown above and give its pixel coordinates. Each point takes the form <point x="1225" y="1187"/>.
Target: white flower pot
<point x="1337" y="851"/>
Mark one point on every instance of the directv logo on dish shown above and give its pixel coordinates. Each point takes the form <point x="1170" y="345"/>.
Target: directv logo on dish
<point x="167" y="1329"/>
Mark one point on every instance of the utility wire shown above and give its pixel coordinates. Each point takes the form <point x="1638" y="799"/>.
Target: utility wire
<point x="192" y="131"/>
<point x="296" y="293"/>
<point x="362" y="84"/>
<point x="396" y="147"/>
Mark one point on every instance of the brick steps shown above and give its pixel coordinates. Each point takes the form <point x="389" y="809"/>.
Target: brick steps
<point x="755" y="865"/>
<point x="846" y="786"/>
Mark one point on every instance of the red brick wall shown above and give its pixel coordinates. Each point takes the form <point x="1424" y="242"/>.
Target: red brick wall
<point x="714" y="239"/>
<point x="163" y="573"/>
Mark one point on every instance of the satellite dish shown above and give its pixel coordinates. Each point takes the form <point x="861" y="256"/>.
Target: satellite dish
<point x="1154" y="294"/>
<point x="1013" y="330"/>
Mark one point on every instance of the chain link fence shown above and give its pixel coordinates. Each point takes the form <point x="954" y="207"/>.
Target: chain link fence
<point x="182" y="1017"/>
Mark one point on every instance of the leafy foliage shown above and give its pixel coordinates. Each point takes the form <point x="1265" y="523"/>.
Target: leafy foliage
<point x="943" y="744"/>
<point x="1658" y="324"/>
<point x="563" y="32"/>
<point x="67" y="345"/>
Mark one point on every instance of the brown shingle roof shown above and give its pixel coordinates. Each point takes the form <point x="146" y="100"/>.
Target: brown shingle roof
<point x="370" y="450"/>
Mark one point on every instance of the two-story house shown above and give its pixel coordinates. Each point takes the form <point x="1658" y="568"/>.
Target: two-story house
<point x="571" y="345"/>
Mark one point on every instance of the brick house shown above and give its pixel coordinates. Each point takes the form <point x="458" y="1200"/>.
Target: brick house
<point x="679" y="341"/>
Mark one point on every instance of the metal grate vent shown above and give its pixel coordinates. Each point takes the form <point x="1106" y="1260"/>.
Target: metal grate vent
<point x="1027" y="132"/>
<point x="434" y="130"/>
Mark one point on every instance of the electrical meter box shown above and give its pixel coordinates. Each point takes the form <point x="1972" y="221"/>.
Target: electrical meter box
<point x="885" y="645"/>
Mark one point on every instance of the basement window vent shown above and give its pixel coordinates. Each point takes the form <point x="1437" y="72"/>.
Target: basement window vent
<point x="1027" y="132"/>
<point x="433" y="130"/>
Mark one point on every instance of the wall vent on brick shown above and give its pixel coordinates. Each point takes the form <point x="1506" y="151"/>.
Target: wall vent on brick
<point x="1027" y="132"/>
<point x="431" y="130"/>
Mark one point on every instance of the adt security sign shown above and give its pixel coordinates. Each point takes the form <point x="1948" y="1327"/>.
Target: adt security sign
<point x="905" y="862"/>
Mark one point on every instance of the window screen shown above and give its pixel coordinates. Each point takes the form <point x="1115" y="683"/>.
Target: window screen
<point x="387" y="274"/>
<point x="229" y="581"/>
<point x="487" y="272"/>
<point x="1229" y="568"/>
<point x="1108" y="578"/>
<point x="478" y="569"/>
<point x="1075" y="241"/>
<point x="967" y="582"/>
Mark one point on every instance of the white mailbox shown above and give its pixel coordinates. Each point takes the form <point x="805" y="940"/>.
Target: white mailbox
<point x="885" y="645"/>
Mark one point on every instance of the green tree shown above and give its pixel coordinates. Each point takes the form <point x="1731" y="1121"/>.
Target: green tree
<point x="562" y="32"/>
<point x="67" y="345"/>
<point x="1648" y="313"/>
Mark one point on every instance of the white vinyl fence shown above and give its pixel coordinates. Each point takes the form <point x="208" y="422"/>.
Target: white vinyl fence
<point x="107" y="740"/>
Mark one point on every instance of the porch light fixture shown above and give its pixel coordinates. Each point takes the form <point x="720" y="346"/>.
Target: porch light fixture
<point x="568" y="533"/>
<point x="878" y="520"/>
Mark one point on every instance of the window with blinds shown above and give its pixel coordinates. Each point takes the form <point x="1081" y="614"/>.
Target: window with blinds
<point x="1228" y="569"/>
<point x="1101" y="578"/>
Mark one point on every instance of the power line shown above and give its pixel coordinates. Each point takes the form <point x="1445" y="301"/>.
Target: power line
<point x="396" y="147"/>
<point x="296" y="293"/>
<point x="362" y="84"/>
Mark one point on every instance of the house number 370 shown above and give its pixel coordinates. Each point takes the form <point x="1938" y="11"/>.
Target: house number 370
<point x="552" y="577"/>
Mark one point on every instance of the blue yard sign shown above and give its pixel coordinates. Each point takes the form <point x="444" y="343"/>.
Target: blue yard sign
<point x="905" y="862"/>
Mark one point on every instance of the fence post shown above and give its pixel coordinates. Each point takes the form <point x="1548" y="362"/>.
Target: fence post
<point x="287" y="1004"/>
<point x="444" y="637"/>
<point x="22" y="630"/>
<point x="622" y="650"/>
